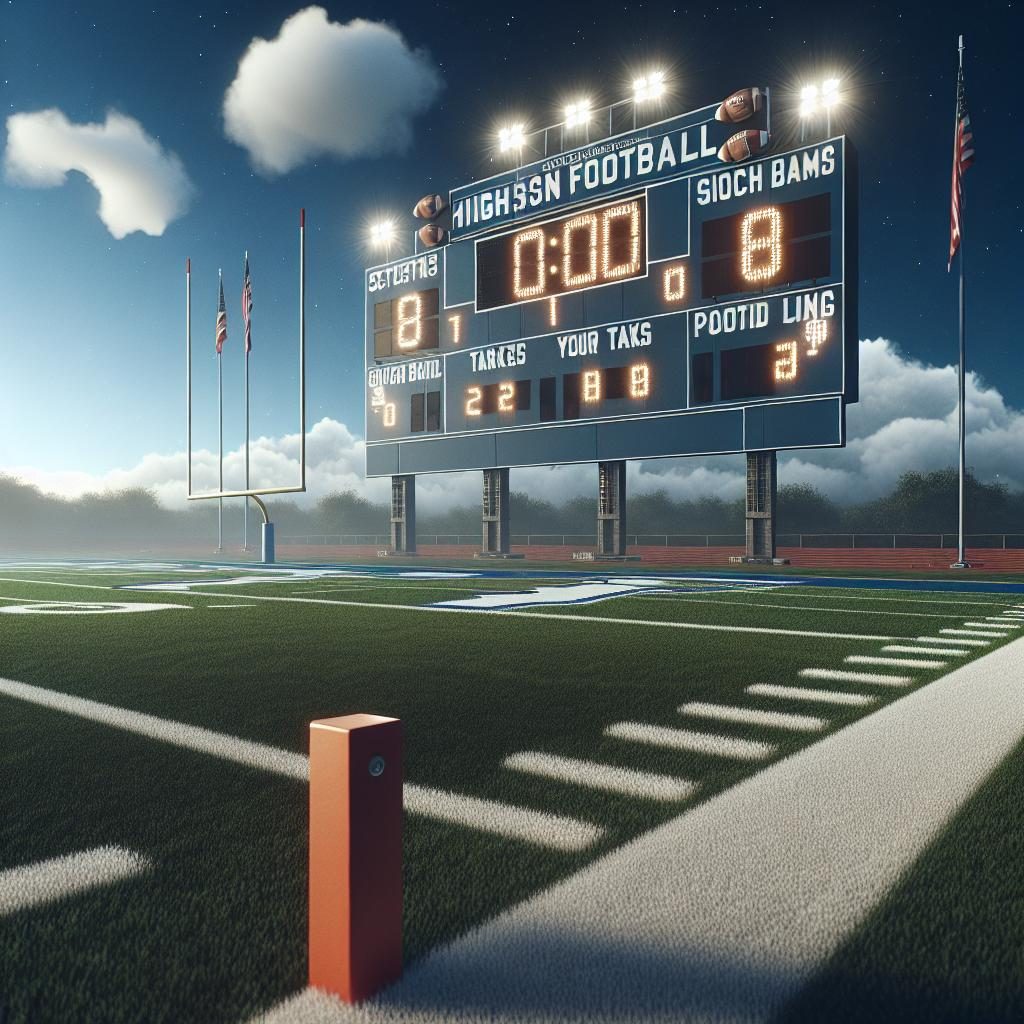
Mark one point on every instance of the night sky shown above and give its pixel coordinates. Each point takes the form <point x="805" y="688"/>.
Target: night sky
<point x="91" y="326"/>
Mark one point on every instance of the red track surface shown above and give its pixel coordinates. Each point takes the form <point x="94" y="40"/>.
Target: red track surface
<point x="987" y="559"/>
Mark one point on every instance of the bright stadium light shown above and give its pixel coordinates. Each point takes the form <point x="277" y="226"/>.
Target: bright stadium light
<point x="382" y="234"/>
<point x="577" y="113"/>
<point x="808" y="100"/>
<point x="830" y="92"/>
<point x="650" y="87"/>
<point x="511" y="137"/>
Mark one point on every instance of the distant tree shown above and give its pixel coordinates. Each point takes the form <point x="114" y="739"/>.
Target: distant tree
<point x="804" y="509"/>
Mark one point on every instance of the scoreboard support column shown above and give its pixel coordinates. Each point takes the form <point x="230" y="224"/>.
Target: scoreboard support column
<point x="403" y="515"/>
<point x="611" y="510"/>
<point x="496" y="539"/>
<point x="762" y="499"/>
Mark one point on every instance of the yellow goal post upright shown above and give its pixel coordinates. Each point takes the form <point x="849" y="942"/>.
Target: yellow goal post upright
<point x="267" y="529"/>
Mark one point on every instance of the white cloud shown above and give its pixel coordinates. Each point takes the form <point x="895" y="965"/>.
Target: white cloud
<point x="906" y="420"/>
<point x="142" y="187"/>
<point x="320" y="87"/>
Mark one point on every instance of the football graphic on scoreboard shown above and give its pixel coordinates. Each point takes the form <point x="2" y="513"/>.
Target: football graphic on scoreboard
<point x="743" y="145"/>
<point x="740" y="105"/>
<point x="429" y="207"/>
<point x="432" y="234"/>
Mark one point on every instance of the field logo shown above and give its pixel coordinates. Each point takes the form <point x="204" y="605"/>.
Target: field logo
<point x="85" y="608"/>
<point x="585" y="592"/>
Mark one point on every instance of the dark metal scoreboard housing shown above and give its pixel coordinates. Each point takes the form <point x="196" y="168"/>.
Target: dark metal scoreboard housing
<point x="633" y="298"/>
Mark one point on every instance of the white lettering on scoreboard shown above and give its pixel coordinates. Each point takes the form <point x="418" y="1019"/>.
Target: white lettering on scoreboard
<point x="766" y="175"/>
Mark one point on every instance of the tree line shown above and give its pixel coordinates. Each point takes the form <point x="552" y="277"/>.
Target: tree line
<point x="919" y="503"/>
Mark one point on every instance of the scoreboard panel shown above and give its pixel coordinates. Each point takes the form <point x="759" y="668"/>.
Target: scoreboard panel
<point x="711" y="311"/>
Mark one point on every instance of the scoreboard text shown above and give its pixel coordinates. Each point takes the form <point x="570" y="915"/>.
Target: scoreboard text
<point x="711" y="311"/>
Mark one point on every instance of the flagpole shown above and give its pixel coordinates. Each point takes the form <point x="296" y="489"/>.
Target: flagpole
<point x="220" y="417"/>
<point x="961" y="557"/>
<point x="245" y="501"/>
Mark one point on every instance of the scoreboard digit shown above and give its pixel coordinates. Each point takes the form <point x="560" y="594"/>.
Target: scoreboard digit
<point x="671" y="304"/>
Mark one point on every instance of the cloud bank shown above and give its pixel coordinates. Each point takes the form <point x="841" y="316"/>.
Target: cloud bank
<point x="142" y="187"/>
<point x="905" y="421"/>
<point x="320" y="87"/>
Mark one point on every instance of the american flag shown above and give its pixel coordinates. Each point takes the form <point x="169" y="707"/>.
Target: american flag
<point x="963" y="157"/>
<point x="222" y="321"/>
<point x="247" y="307"/>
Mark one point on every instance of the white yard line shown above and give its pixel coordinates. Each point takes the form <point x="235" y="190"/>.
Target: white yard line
<point x="487" y="815"/>
<point x="975" y="632"/>
<point x="596" y="619"/>
<point x="724" y="913"/>
<point x="707" y="599"/>
<point x="998" y="623"/>
<point x="868" y="659"/>
<point x="48" y="881"/>
<point x="753" y="716"/>
<point x="807" y="694"/>
<point x="906" y="598"/>
<point x="527" y="826"/>
<point x="946" y="652"/>
<point x="958" y="642"/>
<point x="607" y="777"/>
<point x="842" y="676"/>
<point x="684" y="739"/>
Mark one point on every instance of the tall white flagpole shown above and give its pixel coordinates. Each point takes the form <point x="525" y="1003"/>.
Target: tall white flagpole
<point x="961" y="555"/>
<point x="220" y="417"/>
<point x="245" y="501"/>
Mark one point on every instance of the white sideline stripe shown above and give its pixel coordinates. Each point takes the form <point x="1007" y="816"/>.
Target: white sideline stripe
<point x="231" y="606"/>
<point x="485" y="815"/>
<point x="598" y="619"/>
<point x="974" y="632"/>
<point x="726" y="912"/>
<point x="47" y="881"/>
<point x="945" y="652"/>
<point x="868" y="659"/>
<point x="806" y="693"/>
<point x="842" y="676"/>
<point x="684" y="739"/>
<point x="958" y="642"/>
<point x="627" y="781"/>
<point x="753" y="716"/>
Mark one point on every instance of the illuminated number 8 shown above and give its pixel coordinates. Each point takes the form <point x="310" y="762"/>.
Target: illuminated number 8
<point x="409" y="324"/>
<point x="765" y="246"/>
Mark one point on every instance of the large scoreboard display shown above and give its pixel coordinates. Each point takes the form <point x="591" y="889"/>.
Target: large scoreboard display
<point x="634" y="298"/>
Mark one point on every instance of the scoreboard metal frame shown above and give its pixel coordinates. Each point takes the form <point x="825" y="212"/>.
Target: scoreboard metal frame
<point x="504" y="344"/>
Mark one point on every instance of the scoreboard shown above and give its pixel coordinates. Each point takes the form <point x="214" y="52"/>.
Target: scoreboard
<point x="638" y="297"/>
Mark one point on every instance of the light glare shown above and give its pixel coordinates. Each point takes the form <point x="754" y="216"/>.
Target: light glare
<point x="577" y="113"/>
<point x="830" y="92"/>
<point x="383" y="232"/>
<point x="649" y="87"/>
<point x="511" y="137"/>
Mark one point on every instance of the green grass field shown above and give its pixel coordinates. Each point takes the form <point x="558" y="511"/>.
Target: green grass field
<point x="214" y="928"/>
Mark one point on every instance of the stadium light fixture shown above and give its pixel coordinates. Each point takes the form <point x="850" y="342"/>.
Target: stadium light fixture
<point x="511" y="137"/>
<point x="382" y="234"/>
<point x="830" y="92"/>
<point x="649" y="87"/>
<point x="577" y="113"/>
<point x="808" y="100"/>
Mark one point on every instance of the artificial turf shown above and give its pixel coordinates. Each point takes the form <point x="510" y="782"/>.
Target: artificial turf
<point x="217" y="930"/>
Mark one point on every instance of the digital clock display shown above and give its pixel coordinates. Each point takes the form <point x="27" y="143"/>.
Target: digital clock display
<point x="602" y="245"/>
